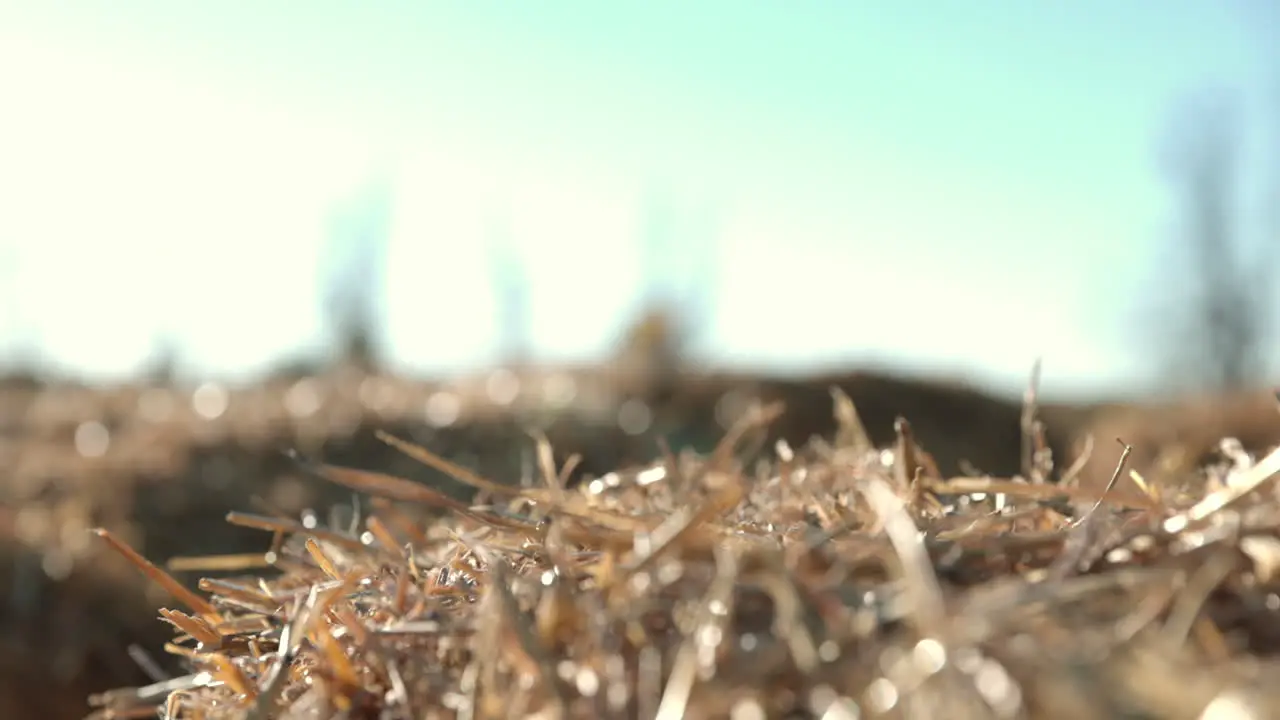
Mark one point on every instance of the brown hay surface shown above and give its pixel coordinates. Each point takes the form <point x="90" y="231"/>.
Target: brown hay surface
<point x="163" y="474"/>
<point x="163" y="482"/>
<point x="167" y="474"/>
<point x="839" y="580"/>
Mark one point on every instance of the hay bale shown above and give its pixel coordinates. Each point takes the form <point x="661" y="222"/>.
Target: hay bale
<point x="837" y="580"/>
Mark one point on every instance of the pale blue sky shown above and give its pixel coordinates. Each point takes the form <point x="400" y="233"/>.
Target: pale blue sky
<point x="957" y="185"/>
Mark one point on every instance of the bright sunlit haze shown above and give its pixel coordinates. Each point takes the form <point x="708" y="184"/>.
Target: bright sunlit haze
<point x="940" y="186"/>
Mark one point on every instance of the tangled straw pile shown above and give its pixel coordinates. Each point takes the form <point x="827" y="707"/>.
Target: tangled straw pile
<point x="837" y="581"/>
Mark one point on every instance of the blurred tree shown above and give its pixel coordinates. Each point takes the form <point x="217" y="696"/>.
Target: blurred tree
<point x="675" y="306"/>
<point x="353" y="290"/>
<point x="22" y="362"/>
<point x="1216" y="339"/>
<point x="161" y="368"/>
<point x="700" y="291"/>
<point x="511" y="287"/>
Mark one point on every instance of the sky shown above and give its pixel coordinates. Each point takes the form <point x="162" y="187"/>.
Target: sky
<point x="938" y="186"/>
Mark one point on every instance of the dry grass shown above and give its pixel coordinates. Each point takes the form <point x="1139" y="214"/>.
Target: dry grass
<point x="168" y="475"/>
<point x="839" y="580"/>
